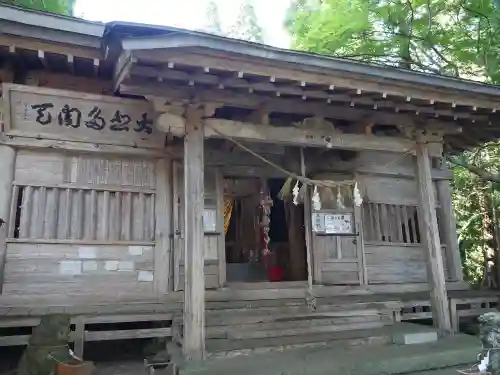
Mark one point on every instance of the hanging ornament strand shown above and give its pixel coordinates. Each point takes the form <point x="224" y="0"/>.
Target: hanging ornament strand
<point x="303" y="179"/>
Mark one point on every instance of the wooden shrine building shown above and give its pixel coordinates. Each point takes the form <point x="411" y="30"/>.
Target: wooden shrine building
<point x="224" y="193"/>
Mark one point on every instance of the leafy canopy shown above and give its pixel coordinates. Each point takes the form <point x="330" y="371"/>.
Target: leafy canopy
<point x="64" y="7"/>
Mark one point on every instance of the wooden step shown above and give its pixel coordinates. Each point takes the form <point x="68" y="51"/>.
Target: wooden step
<point x="229" y="319"/>
<point x="284" y="324"/>
<point x="348" y="337"/>
<point x="235" y="333"/>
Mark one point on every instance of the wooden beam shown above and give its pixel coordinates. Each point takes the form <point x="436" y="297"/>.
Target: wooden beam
<point x="48" y="47"/>
<point x="122" y="68"/>
<point x="179" y="76"/>
<point x="292" y="136"/>
<point x="7" y="157"/>
<point x="327" y="77"/>
<point x="448" y="229"/>
<point x="275" y="104"/>
<point x="429" y="234"/>
<point x="194" y="281"/>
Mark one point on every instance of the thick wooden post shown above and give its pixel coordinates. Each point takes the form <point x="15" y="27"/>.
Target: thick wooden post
<point x="7" y="160"/>
<point x="194" y="285"/>
<point x="448" y="229"/>
<point x="429" y="234"/>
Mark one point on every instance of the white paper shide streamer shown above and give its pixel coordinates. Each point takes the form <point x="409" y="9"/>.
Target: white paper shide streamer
<point x="358" y="201"/>
<point x="316" y="201"/>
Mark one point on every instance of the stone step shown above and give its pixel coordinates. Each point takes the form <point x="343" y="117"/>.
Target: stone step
<point x="411" y="338"/>
<point x="336" y="357"/>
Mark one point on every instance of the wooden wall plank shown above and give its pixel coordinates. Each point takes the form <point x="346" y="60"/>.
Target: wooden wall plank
<point x="163" y="230"/>
<point x="39" y="167"/>
<point x="7" y="165"/>
<point x="221" y="243"/>
<point x="66" y="268"/>
<point x="448" y="229"/>
<point x="26" y="212"/>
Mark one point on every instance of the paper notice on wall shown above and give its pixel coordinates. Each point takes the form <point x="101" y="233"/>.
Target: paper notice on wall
<point x="338" y="223"/>
<point x="111" y="265"/>
<point x="70" y="267"/>
<point x="318" y="222"/>
<point x="145" y="276"/>
<point x="135" y="250"/>
<point x="209" y="220"/>
<point x="87" y="252"/>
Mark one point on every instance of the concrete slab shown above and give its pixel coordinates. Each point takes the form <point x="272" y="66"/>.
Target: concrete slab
<point x="411" y="338"/>
<point x="382" y="360"/>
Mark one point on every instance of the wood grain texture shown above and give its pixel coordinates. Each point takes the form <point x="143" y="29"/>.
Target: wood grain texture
<point x="221" y="243"/>
<point x="7" y="163"/>
<point x="194" y="288"/>
<point x="67" y="268"/>
<point x="430" y="235"/>
<point x="22" y="121"/>
<point x="162" y="214"/>
<point x="448" y="229"/>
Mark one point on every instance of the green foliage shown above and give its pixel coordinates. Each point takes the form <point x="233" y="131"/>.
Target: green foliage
<point x="453" y="37"/>
<point x="64" y="7"/>
<point x="247" y="26"/>
<point x="460" y="38"/>
<point x="213" y="24"/>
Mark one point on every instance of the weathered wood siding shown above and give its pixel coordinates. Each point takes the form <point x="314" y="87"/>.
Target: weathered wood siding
<point x="393" y="252"/>
<point x="212" y="240"/>
<point x="53" y="268"/>
<point x="82" y="225"/>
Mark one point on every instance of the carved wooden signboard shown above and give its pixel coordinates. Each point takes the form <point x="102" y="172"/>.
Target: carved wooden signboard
<point x="67" y="115"/>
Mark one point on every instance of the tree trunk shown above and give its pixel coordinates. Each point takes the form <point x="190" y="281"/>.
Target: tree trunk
<point x="489" y="278"/>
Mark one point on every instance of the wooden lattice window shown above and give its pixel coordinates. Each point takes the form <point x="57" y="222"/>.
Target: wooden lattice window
<point x="77" y="213"/>
<point x="390" y="223"/>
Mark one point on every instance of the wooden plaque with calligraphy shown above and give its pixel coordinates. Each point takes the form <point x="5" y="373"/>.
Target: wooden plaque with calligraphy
<point x="35" y="112"/>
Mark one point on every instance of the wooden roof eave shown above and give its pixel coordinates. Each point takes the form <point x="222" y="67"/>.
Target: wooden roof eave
<point x="262" y="60"/>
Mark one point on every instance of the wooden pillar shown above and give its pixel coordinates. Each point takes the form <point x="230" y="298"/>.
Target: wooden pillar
<point x="194" y="284"/>
<point x="163" y="250"/>
<point x="7" y="162"/>
<point x="448" y="229"/>
<point x="430" y="239"/>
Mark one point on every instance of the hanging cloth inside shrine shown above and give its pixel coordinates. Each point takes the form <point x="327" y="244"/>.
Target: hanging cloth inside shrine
<point x="228" y="209"/>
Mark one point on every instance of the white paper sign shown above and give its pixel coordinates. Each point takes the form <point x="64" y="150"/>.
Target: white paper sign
<point x="209" y="220"/>
<point x="145" y="276"/>
<point x="318" y="222"/>
<point x="135" y="250"/>
<point x="338" y="223"/>
<point x="70" y="267"/>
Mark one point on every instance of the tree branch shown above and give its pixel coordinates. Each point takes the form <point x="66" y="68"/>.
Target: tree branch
<point x="480" y="172"/>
